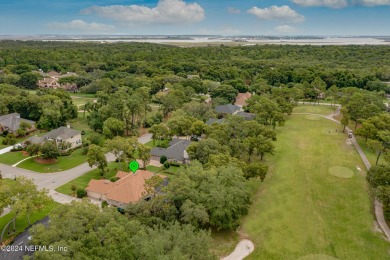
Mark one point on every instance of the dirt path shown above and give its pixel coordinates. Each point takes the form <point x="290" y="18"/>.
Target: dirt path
<point x="378" y="206"/>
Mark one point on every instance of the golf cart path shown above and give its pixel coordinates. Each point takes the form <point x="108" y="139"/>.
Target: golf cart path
<point x="377" y="204"/>
<point x="244" y="248"/>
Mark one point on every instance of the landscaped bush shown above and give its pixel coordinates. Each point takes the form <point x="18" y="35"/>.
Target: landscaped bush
<point x="12" y="141"/>
<point x="167" y="165"/>
<point x="85" y="150"/>
<point x="65" y="153"/>
<point x="73" y="188"/>
<point x="163" y="159"/>
<point x="81" y="193"/>
<point x="5" y="133"/>
<point x="175" y="164"/>
<point x="69" y="152"/>
<point x="114" y="179"/>
<point x="104" y="204"/>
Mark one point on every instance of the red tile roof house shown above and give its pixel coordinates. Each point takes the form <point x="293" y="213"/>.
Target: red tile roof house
<point x="130" y="188"/>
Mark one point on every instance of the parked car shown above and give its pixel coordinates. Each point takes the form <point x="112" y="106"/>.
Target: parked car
<point x="194" y="138"/>
<point x="350" y="133"/>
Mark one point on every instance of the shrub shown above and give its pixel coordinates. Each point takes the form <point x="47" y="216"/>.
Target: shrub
<point x="4" y="141"/>
<point x="12" y="140"/>
<point x="114" y="179"/>
<point x="85" y="150"/>
<point x="73" y="188"/>
<point x="175" y="164"/>
<point x="167" y="165"/>
<point x="163" y="159"/>
<point x="81" y="193"/>
<point x="65" y="153"/>
<point x="104" y="204"/>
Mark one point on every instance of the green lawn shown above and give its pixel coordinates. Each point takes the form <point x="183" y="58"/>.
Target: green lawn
<point x="63" y="163"/>
<point x="11" y="158"/>
<point x="315" y="109"/>
<point x="302" y="210"/>
<point x="22" y="222"/>
<point x="81" y="100"/>
<point x="158" y="143"/>
<point x="81" y="124"/>
<point x="170" y="171"/>
<point x="83" y="180"/>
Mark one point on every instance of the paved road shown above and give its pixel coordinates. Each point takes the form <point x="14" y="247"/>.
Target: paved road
<point x="378" y="206"/>
<point x="21" y="242"/>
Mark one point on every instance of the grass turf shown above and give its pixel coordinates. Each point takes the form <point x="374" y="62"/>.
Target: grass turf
<point x="63" y="163"/>
<point x="301" y="209"/>
<point x="315" y="109"/>
<point x="11" y="158"/>
<point x="83" y="180"/>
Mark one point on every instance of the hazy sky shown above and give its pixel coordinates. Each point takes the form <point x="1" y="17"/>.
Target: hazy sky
<point x="225" y="17"/>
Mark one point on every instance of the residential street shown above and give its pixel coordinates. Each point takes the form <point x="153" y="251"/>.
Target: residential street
<point x="20" y="242"/>
<point x="52" y="181"/>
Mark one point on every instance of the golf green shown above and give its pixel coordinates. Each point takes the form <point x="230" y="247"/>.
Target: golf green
<point x="341" y="172"/>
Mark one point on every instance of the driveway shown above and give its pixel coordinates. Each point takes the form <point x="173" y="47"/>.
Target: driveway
<point x="145" y="138"/>
<point x="6" y="150"/>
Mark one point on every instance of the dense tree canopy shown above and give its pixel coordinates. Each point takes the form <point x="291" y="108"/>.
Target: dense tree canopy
<point x="90" y="233"/>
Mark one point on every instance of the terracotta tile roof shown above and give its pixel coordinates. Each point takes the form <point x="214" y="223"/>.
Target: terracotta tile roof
<point x="241" y="99"/>
<point x="129" y="188"/>
<point x="100" y="186"/>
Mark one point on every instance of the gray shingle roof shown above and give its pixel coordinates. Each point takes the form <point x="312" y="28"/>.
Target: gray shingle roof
<point x="62" y="132"/>
<point x="245" y="115"/>
<point x="227" y="109"/>
<point x="215" y="120"/>
<point x="12" y="121"/>
<point x="176" y="150"/>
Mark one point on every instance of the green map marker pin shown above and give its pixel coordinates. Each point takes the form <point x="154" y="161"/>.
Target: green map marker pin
<point x="133" y="166"/>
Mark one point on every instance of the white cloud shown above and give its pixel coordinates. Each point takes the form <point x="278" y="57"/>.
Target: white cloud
<point x="373" y="2"/>
<point x="80" y="25"/>
<point x="327" y="3"/>
<point x="341" y="3"/>
<point x="233" y="10"/>
<point x="277" y="13"/>
<point x="166" y="11"/>
<point x="285" y="29"/>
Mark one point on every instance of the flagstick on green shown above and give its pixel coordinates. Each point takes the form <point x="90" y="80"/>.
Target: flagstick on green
<point x="133" y="166"/>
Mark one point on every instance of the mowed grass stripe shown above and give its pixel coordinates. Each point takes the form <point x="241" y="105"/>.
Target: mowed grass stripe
<point x="302" y="210"/>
